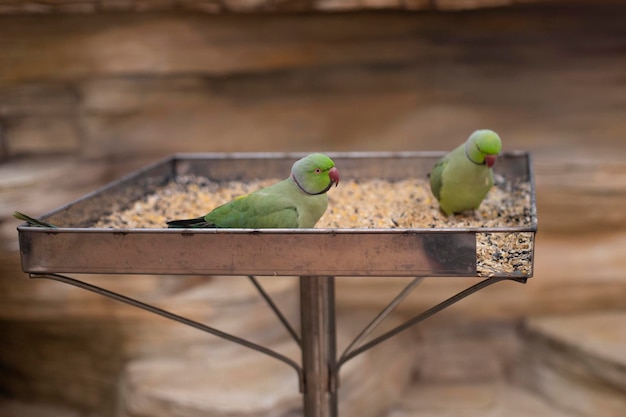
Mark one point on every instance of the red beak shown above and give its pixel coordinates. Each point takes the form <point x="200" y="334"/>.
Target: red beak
<point x="490" y="160"/>
<point x="334" y="175"/>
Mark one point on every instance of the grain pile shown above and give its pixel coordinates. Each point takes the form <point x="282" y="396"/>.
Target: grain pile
<point x="375" y="203"/>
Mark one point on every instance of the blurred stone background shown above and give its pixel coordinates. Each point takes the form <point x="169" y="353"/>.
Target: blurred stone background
<point x="91" y="90"/>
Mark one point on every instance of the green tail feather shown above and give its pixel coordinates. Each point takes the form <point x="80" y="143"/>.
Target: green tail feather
<point x="32" y="221"/>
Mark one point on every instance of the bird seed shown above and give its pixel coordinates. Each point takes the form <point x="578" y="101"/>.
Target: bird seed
<point x="358" y="204"/>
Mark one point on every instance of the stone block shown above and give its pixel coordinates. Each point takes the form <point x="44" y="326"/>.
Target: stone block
<point x="418" y="4"/>
<point x="42" y="135"/>
<point x="244" y="5"/>
<point x="116" y="5"/>
<point x="36" y="7"/>
<point x="202" y="6"/>
<point x="470" y="4"/>
<point x="13" y="408"/>
<point x="336" y="5"/>
<point x="10" y="8"/>
<point x="155" y="5"/>
<point x="70" y="364"/>
<point x="77" y="7"/>
<point x="41" y="99"/>
<point x="381" y="4"/>
<point x="462" y="351"/>
<point x="577" y="362"/>
<point x="251" y="384"/>
<point x="493" y="399"/>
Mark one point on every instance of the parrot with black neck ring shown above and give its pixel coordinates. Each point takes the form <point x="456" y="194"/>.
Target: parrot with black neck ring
<point x="298" y="201"/>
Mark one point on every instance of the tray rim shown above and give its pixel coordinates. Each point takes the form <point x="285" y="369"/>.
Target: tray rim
<point x="172" y="159"/>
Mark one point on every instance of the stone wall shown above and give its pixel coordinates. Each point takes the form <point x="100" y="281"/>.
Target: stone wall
<point x="242" y="6"/>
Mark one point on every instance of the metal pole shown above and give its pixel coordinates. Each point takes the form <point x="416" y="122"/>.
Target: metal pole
<point x="317" y="315"/>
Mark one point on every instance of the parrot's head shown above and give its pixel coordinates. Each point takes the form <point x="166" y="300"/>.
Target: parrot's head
<point x="483" y="147"/>
<point x="315" y="173"/>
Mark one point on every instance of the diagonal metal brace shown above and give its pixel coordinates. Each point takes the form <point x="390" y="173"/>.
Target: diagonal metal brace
<point x="422" y="316"/>
<point x="177" y="318"/>
<point x="381" y="316"/>
<point x="276" y="310"/>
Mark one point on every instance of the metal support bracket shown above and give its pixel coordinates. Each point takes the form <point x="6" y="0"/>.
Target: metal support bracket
<point x="318" y="375"/>
<point x="175" y="317"/>
<point x="349" y="354"/>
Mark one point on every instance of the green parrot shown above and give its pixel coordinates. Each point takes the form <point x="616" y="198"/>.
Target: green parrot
<point x="32" y="221"/>
<point x="298" y="201"/>
<point x="461" y="179"/>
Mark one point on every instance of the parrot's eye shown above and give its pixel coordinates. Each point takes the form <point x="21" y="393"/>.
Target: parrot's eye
<point x="318" y="170"/>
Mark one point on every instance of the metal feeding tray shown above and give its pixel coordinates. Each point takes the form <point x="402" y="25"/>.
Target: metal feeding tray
<point x="317" y="256"/>
<point x="78" y="247"/>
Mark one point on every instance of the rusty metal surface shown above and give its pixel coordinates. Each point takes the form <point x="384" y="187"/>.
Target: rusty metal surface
<point x="80" y="248"/>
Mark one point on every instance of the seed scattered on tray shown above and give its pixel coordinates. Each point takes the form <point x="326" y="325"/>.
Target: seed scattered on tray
<point x="357" y="204"/>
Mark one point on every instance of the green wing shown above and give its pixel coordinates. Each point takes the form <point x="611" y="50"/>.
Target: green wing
<point x="256" y="210"/>
<point x="436" y="177"/>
